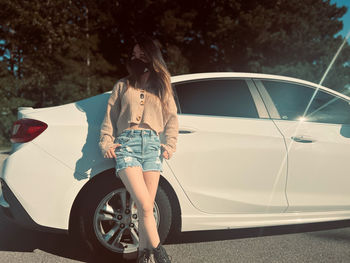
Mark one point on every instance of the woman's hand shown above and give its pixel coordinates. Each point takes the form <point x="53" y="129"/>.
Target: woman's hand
<point x="111" y="151"/>
<point x="165" y="152"/>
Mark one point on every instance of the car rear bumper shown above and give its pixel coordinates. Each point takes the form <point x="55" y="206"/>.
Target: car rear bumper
<point x="43" y="186"/>
<point x="14" y="211"/>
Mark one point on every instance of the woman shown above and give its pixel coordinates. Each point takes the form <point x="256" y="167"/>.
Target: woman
<point x="141" y="107"/>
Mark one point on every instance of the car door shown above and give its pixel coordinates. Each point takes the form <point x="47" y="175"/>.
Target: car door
<point x="229" y="156"/>
<point x="318" y="144"/>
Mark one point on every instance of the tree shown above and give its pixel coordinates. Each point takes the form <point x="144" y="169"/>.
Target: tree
<point x="55" y="52"/>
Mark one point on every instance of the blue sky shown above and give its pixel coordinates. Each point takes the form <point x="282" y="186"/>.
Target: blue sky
<point x="346" y="17"/>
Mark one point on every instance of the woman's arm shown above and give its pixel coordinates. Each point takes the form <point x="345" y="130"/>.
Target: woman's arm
<point x="171" y="128"/>
<point x="108" y="124"/>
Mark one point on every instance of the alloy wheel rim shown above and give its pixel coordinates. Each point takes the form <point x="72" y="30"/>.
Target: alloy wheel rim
<point x="116" y="222"/>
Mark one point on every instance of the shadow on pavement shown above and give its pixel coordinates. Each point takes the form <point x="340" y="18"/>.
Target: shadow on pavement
<point x="230" y="234"/>
<point x="17" y="239"/>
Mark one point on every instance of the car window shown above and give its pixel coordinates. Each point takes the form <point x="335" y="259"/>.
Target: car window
<point x="220" y="97"/>
<point x="292" y="99"/>
<point x="327" y="108"/>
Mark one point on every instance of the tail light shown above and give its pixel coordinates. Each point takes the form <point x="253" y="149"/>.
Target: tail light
<point x="25" y="130"/>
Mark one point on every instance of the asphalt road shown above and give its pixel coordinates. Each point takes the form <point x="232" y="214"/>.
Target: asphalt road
<point x="319" y="242"/>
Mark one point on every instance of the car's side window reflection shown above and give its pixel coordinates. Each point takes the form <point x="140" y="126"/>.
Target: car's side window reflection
<point x="291" y="101"/>
<point x="220" y="97"/>
<point x="327" y="108"/>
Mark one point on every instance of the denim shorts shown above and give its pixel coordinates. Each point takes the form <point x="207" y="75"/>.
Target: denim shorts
<point x="139" y="148"/>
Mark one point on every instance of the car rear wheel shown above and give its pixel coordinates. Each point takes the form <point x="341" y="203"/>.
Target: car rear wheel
<point x="108" y="220"/>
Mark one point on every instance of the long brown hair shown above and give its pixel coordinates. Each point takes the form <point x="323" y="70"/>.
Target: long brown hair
<point x="158" y="81"/>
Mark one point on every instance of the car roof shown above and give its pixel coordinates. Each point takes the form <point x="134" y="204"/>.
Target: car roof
<point x="209" y="75"/>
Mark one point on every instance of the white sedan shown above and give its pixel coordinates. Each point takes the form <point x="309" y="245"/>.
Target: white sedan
<point x="253" y="150"/>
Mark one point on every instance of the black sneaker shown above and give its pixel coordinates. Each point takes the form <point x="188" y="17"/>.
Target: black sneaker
<point x="160" y="255"/>
<point x="144" y="256"/>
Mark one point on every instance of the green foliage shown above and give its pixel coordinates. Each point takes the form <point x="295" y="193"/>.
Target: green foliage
<point x="56" y="52"/>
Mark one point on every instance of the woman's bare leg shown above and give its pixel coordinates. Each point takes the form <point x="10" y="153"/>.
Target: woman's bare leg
<point x="151" y="179"/>
<point x="133" y="180"/>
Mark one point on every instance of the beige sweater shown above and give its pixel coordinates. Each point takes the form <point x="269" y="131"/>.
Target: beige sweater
<point x="124" y="107"/>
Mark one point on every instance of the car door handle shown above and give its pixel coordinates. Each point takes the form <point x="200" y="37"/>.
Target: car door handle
<point x="186" y="131"/>
<point x="303" y="139"/>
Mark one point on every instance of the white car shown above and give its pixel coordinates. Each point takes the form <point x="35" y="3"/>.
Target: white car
<point x="253" y="150"/>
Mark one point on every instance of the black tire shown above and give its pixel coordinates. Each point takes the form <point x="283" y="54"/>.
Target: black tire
<point x="91" y="200"/>
<point x="166" y="213"/>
